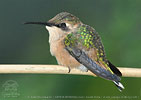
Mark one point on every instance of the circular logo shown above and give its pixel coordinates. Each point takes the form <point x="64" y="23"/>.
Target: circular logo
<point x="10" y="89"/>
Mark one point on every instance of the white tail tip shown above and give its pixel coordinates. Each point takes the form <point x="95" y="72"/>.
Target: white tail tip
<point x="119" y="85"/>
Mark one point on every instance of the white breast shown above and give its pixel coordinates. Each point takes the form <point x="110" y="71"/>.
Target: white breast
<point x="54" y="35"/>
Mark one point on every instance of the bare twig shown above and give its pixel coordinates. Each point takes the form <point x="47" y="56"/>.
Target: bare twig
<point x="56" y="69"/>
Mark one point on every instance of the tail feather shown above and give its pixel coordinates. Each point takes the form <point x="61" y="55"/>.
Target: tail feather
<point x="119" y="86"/>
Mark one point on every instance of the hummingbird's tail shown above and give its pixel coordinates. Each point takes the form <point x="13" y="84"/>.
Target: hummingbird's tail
<point x="119" y="86"/>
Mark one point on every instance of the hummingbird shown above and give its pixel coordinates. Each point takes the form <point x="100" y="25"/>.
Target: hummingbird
<point x="77" y="45"/>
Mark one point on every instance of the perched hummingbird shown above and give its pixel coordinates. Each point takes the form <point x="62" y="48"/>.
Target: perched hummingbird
<point x="77" y="45"/>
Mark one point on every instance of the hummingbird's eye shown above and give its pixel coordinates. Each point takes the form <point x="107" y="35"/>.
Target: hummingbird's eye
<point x="62" y="25"/>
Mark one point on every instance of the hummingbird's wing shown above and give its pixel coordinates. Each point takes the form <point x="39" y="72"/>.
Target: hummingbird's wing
<point x="83" y="58"/>
<point x="79" y="43"/>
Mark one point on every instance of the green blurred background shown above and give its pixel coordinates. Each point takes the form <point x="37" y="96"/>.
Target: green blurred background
<point x="117" y="21"/>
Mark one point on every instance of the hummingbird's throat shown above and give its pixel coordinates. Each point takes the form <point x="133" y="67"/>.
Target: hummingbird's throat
<point x="55" y="33"/>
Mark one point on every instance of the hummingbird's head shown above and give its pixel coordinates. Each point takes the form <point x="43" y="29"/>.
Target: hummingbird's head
<point x="62" y="23"/>
<point x="65" y="21"/>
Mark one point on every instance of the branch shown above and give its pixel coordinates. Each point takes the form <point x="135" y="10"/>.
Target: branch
<point x="56" y="69"/>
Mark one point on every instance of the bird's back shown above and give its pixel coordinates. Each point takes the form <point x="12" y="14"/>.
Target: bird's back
<point x="87" y="39"/>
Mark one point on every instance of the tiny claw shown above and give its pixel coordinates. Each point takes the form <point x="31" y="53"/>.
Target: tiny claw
<point x="69" y="69"/>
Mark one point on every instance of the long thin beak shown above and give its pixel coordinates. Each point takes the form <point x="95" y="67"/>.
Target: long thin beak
<point x="40" y="23"/>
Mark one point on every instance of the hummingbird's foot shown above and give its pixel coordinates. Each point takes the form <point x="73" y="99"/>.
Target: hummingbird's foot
<point x="69" y="69"/>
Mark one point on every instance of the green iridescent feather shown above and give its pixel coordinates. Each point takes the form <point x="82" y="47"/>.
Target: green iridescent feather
<point x="85" y="38"/>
